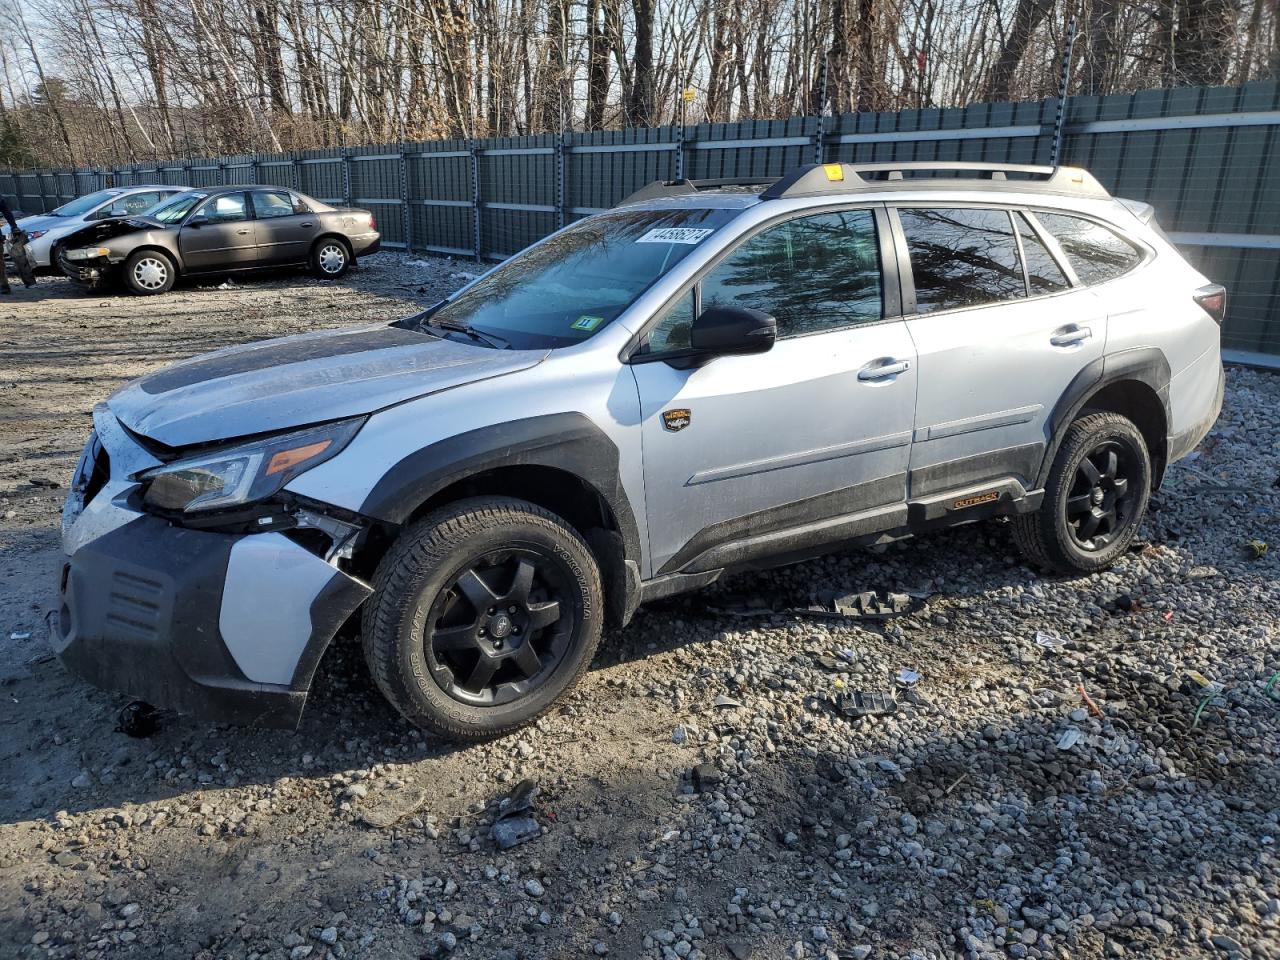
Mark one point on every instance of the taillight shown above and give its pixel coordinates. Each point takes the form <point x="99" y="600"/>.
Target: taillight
<point x="373" y="224"/>
<point x="1212" y="300"/>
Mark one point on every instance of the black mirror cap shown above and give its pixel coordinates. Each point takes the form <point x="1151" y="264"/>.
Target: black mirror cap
<point x="195" y="221"/>
<point x="727" y="329"/>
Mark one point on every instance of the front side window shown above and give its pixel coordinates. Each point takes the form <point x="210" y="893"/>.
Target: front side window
<point x="578" y="281"/>
<point x="1095" y="253"/>
<point x="272" y="203"/>
<point x="811" y="274"/>
<point x="227" y="208"/>
<point x="962" y="257"/>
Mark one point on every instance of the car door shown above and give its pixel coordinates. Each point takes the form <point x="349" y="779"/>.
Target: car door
<point x="285" y="227"/>
<point x="1000" y="332"/>
<point x="219" y="235"/>
<point x="775" y="452"/>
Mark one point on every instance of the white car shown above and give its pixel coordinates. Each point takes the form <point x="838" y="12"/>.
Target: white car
<point x="44" y="230"/>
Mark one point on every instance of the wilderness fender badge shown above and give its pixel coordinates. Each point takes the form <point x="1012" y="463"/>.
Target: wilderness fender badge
<point x="676" y="420"/>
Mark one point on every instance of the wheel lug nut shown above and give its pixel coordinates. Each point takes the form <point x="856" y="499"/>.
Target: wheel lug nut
<point x="511" y="609"/>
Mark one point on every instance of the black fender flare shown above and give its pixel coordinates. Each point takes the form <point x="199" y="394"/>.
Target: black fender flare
<point x="1147" y="365"/>
<point x="570" y="442"/>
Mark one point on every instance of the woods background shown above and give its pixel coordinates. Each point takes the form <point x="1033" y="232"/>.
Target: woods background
<point x="112" y="81"/>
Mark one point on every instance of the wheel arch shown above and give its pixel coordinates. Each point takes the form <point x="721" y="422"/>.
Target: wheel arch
<point x="1133" y="383"/>
<point x="561" y="462"/>
<point x="174" y="257"/>
<point x="332" y="235"/>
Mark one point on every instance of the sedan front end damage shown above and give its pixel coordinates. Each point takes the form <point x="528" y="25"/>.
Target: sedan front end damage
<point x="224" y="613"/>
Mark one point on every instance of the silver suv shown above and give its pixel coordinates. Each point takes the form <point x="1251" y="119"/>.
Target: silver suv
<point x="711" y="376"/>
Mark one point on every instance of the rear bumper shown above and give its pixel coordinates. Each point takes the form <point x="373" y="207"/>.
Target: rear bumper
<point x="366" y="243"/>
<point x="1182" y="443"/>
<point x="226" y="627"/>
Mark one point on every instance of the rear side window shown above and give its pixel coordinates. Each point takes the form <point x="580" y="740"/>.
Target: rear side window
<point x="812" y="273"/>
<point x="1095" y="253"/>
<point x="1043" y="273"/>
<point x="962" y="257"/>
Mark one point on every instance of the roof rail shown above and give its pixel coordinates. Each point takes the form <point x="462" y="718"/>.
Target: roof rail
<point x="675" y="188"/>
<point x="815" y="179"/>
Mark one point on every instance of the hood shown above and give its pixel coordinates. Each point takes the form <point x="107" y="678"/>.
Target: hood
<point x="101" y="230"/>
<point x="39" y="221"/>
<point x="296" y="381"/>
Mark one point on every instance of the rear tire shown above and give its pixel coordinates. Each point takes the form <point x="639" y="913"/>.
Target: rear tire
<point x="484" y="614"/>
<point x="1095" y="498"/>
<point x="331" y="258"/>
<point x="149" y="272"/>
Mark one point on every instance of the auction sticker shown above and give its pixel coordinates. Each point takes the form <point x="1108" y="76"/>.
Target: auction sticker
<point x="676" y="235"/>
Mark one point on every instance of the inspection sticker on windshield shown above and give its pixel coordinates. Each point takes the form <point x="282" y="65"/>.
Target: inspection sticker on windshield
<point x="586" y="323"/>
<point x="676" y="235"/>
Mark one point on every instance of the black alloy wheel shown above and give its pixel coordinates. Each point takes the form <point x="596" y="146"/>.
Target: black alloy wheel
<point x="501" y="627"/>
<point x="1100" y="504"/>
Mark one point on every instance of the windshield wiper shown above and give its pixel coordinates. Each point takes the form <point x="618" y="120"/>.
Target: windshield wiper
<point x="492" y="339"/>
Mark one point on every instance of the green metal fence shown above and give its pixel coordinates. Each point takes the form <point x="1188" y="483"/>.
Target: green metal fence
<point x="1205" y="157"/>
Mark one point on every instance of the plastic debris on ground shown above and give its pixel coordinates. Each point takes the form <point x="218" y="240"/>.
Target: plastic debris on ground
<point x="514" y="824"/>
<point x="1050" y="641"/>
<point x="861" y="703"/>
<point x="726" y="703"/>
<point x="138" y="719"/>
<point x="869" y="605"/>
<point x="1070" y="737"/>
<point x="908" y="677"/>
<point x="19" y="636"/>
<point x="1257" y="548"/>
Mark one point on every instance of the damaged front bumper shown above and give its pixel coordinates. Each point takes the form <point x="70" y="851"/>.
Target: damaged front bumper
<point x="93" y="273"/>
<point x="227" y="627"/>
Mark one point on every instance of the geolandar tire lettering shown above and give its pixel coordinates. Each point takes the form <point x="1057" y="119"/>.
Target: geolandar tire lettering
<point x="484" y="614"/>
<point x="1095" y="498"/>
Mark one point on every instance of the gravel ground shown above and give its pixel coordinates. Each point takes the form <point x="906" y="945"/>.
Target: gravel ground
<point x="968" y="824"/>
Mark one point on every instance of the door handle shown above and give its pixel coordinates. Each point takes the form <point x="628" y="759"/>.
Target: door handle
<point x="307" y="223"/>
<point x="883" y="369"/>
<point x="243" y="233"/>
<point x="1068" y="336"/>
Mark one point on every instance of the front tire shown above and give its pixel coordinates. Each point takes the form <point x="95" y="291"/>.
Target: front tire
<point x="330" y="258"/>
<point x="484" y="614"/>
<point x="149" y="272"/>
<point x="1095" y="499"/>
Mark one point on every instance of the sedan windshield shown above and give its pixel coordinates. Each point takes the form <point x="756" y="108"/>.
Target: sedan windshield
<point x="82" y="205"/>
<point x="575" y="283"/>
<point x="176" y="208"/>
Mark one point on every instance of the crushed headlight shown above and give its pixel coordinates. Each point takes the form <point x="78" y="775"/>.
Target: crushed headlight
<point x="244" y="474"/>
<point x="86" y="253"/>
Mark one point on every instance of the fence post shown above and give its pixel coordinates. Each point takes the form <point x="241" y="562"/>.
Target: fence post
<point x="819" y="154"/>
<point x="406" y="215"/>
<point x="560" y="185"/>
<point x="679" y="171"/>
<point x="475" y="198"/>
<point x="346" y="178"/>
<point x="253" y="170"/>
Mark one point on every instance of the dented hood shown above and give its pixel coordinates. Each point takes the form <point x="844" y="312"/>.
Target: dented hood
<point x="107" y="229"/>
<point x="295" y="381"/>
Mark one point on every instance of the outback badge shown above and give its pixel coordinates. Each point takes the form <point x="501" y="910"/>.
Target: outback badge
<point x="677" y="419"/>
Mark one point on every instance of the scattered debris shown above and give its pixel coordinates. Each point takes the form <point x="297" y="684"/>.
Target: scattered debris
<point x="1050" y="641"/>
<point x="514" y="824"/>
<point x="1257" y="548"/>
<point x="389" y="807"/>
<point x="19" y="636"/>
<point x="1084" y="695"/>
<point x="1070" y="737"/>
<point x="908" y="677"/>
<point x="871" y="605"/>
<point x="726" y="703"/>
<point x="138" y="719"/>
<point x="706" y="776"/>
<point x="860" y="703"/>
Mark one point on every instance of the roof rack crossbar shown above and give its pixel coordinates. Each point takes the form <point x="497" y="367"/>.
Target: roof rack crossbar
<point x="676" y="188"/>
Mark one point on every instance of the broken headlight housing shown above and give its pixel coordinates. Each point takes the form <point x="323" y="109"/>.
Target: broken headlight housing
<point x="87" y="253"/>
<point x="245" y="473"/>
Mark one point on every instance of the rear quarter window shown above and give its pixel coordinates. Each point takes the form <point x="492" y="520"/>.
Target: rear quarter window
<point x="1096" y="253"/>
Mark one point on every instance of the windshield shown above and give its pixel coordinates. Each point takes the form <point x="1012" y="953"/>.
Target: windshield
<point x="82" y="205"/>
<point x="175" y="208"/>
<point x="574" y="284"/>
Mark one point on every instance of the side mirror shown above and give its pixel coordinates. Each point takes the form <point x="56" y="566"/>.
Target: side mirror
<point x="733" y="330"/>
<point x="117" y="212"/>
<point x="197" y="220"/>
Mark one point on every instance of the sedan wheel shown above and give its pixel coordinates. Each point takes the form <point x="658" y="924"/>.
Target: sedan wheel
<point x="149" y="272"/>
<point x="330" y="259"/>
